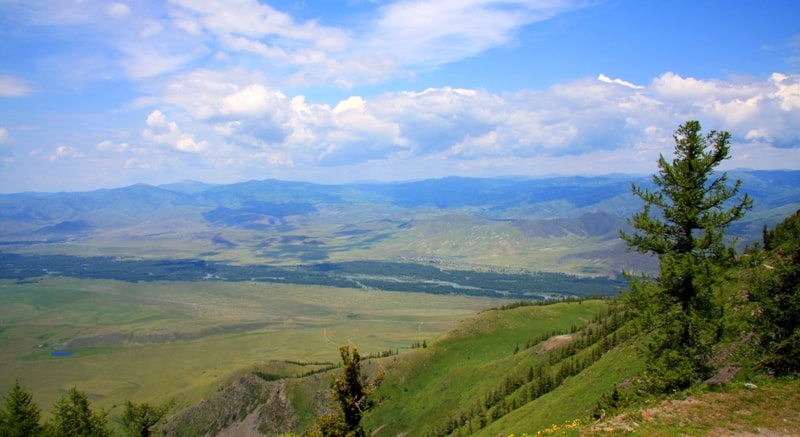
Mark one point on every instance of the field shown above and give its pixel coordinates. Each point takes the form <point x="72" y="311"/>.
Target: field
<point x="157" y="341"/>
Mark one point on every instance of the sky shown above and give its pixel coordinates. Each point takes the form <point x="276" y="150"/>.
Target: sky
<point x="101" y="94"/>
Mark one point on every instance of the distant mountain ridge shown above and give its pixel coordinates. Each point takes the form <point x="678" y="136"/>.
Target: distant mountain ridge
<point x="503" y="221"/>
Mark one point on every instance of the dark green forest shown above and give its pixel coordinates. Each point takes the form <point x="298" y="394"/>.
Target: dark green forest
<point x="377" y="275"/>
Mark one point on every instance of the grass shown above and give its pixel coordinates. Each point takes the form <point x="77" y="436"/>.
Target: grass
<point x="426" y="387"/>
<point x="455" y="238"/>
<point x="573" y="400"/>
<point x="768" y="408"/>
<point x="157" y="341"/>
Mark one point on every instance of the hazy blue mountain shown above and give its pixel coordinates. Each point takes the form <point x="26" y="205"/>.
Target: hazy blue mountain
<point x="544" y="223"/>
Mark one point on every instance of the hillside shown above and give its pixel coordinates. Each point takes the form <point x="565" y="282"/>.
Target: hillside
<point x="495" y="359"/>
<point x="423" y="390"/>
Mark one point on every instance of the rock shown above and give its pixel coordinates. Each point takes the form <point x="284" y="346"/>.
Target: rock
<point x="723" y="376"/>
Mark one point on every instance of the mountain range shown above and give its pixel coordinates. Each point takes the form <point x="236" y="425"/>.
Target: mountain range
<point x="567" y="224"/>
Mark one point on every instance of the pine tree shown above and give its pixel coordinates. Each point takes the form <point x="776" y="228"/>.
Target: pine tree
<point x="774" y="283"/>
<point x="19" y="416"/>
<point x="140" y="419"/>
<point x="73" y="417"/>
<point x="683" y="222"/>
<point x="352" y="396"/>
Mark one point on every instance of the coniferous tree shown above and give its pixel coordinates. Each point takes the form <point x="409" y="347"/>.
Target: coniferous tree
<point x="775" y="288"/>
<point x="19" y="416"/>
<point x="140" y="419"/>
<point x="683" y="222"/>
<point x="352" y="396"/>
<point x="73" y="417"/>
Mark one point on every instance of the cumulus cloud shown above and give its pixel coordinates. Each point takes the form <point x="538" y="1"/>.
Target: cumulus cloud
<point x="167" y="133"/>
<point x="252" y="101"/>
<point x="11" y="86"/>
<point x="63" y="153"/>
<point x="590" y="122"/>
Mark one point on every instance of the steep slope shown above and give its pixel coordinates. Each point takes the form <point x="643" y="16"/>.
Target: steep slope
<point x="496" y="365"/>
<point x="471" y="381"/>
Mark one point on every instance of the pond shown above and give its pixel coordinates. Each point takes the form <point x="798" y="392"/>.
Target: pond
<point x="60" y="353"/>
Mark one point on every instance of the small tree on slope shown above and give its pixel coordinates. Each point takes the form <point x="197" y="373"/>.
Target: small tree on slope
<point x="352" y="396"/>
<point x="140" y="419"/>
<point x="683" y="222"/>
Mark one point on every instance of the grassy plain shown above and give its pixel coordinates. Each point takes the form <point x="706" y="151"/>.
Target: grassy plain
<point x="159" y="341"/>
<point x="456" y="239"/>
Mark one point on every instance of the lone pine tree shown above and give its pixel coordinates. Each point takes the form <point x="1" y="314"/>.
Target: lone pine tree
<point x="683" y="222"/>
<point x="351" y="392"/>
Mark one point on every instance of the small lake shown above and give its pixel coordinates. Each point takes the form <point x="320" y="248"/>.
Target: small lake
<point x="60" y="353"/>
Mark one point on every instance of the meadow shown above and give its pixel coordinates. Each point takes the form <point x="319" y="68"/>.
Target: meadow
<point x="158" y="341"/>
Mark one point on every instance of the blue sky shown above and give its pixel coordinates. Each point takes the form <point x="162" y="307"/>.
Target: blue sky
<point x="100" y="94"/>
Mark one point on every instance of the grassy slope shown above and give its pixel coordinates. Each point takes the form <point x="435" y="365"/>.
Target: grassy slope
<point x="768" y="408"/>
<point x="425" y="387"/>
<point x="575" y="399"/>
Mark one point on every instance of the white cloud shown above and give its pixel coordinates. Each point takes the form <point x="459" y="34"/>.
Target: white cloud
<point x="421" y="32"/>
<point x="401" y="36"/>
<point x="301" y="52"/>
<point x="787" y="92"/>
<point x="201" y="92"/>
<point x="584" y="124"/>
<point x="118" y="10"/>
<point x="63" y="153"/>
<point x="11" y="86"/>
<point x="110" y="146"/>
<point x="3" y="134"/>
<point x="253" y="101"/>
<point x="255" y="21"/>
<point x="155" y="38"/>
<point x="144" y="60"/>
<point x="167" y="133"/>
<point x="606" y="79"/>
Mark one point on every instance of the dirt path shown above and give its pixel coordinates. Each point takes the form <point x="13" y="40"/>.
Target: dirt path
<point x="554" y="342"/>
